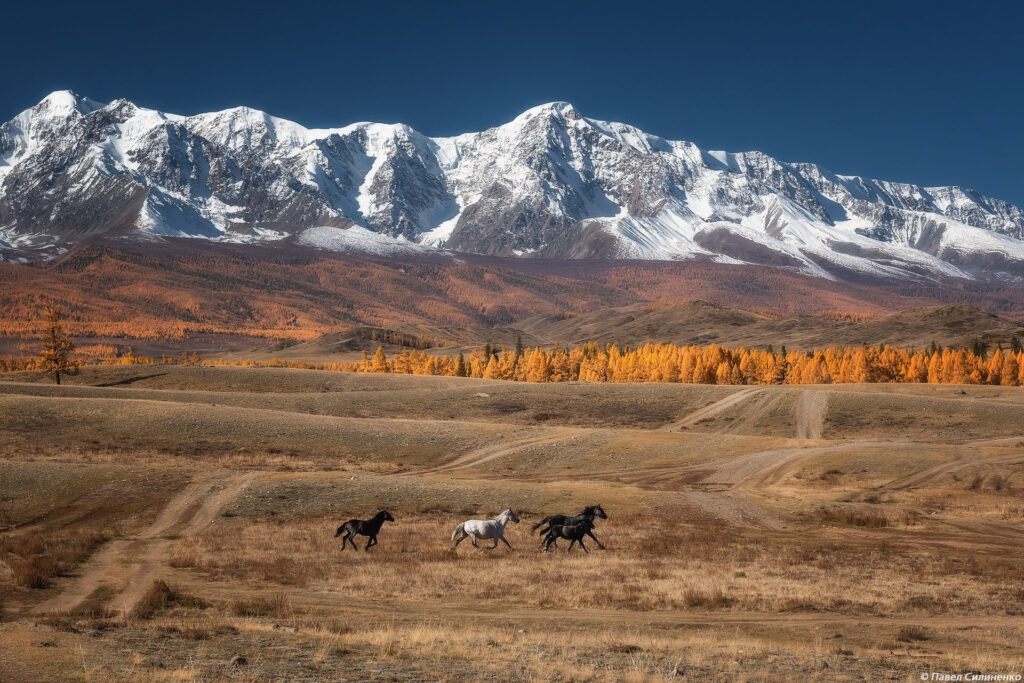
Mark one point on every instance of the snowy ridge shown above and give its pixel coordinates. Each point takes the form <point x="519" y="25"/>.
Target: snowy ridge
<point x="549" y="183"/>
<point x="358" y="240"/>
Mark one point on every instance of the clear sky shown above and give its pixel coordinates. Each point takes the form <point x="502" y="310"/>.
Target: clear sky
<point x="925" y="92"/>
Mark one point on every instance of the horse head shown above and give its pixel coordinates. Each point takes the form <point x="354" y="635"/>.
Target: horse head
<point x="386" y="516"/>
<point x="510" y="516"/>
<point x="595" y="511"/>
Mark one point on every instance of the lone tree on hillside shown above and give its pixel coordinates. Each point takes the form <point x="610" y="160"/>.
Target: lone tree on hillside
<point x="56" y="348"/>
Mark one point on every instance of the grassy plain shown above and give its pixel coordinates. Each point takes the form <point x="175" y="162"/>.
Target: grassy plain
<point x="156" y="522"/>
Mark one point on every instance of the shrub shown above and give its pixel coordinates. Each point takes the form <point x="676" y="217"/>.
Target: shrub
<point x="277" y="606"/>
<point x="909" y="634"/>
<point x="713" y="599"/>
<point x="35" y="559"/>
<point x="852" y="517"/>
<point x="161" y="596"/>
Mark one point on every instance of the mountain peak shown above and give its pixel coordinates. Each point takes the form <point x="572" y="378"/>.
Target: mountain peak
<point x="550" y="184"/>
<point x="558" y="108"/>
<point x="66" y="102"/>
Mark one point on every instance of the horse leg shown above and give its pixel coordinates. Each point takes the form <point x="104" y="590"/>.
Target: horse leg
<point x="584" y="547"/>
<point x="599" y="544"/>
<point x="505" y="540"/>
<point x="372" y="542"/>
<point x="472" y="538"/>
<point x="495" y="544"/>
<point x="349" y="538"/>
<point x="461" y="539"/>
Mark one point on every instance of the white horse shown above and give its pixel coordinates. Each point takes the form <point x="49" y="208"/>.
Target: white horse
<point x="485" y="528"/>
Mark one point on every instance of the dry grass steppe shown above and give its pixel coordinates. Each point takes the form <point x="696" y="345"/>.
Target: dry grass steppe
<point x="158" y="522"/>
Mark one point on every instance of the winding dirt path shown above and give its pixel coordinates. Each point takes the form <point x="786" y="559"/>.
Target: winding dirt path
<point x="153" y="561"/>
<point x="710" y="411"/>
<point x="495" y="451"/>
<point x="107" y="565"/>
<point x="810" y="414"/>
<point x="936" y="472"/>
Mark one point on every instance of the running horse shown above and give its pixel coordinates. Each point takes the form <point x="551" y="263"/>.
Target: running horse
<point x="474" y="529"/>
<point x="363" y="527"/>
<point x="574" y="532"/>
<point x="588" y="514"/>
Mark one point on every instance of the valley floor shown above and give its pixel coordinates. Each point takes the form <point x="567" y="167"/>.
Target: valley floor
<point x="159" y="522"/>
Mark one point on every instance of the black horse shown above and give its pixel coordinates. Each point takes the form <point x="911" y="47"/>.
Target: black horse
<point x="363" y="527"/>
<point x="574" y="532"/>
<point x="588" y="514"/>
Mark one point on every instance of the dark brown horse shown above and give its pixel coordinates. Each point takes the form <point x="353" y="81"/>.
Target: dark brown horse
<point x="574" y="532"/>
<point x="588" y="513"/>
<point x="363" y="527"/>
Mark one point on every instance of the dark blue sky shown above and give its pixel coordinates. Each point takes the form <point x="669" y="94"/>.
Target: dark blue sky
<point x="926" y="92"/>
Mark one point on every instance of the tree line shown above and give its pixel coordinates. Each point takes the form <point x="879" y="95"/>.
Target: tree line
<point x="712" y="364"/>
<point x="593" y="362"/>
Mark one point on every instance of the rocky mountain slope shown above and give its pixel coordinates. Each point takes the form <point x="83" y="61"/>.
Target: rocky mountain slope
<point x="550" y="183"/>
<point x="702" y="322"/>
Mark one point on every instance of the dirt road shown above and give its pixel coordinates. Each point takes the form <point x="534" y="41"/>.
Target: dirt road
<point x="495" y="451"/>
<point x="810" y="414"/>
<point x="710" y="411"/>
<point x="108" y="566"/>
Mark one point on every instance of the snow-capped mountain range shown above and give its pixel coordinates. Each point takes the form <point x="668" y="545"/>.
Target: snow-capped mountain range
<point x="550" y="183"/>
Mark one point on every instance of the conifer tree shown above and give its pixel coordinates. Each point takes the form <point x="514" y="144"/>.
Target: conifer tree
<point x="380" y="361"/>
<point x="55" y="353"/>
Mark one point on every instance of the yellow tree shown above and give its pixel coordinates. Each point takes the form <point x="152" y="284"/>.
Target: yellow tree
<point x="1009" y="371"/>
<point x="537" y="367"/>
<point x="917" y="371"/>
<point x="995" y="367"/>
<point x="935" y="369"/>
<point x="380" y="361"/>
<point x="55" y="353"/>
<point x="492" y="371"/>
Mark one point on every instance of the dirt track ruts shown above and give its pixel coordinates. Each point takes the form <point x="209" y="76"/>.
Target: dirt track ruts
<point x="710" y="410"/>
<point x="106" y="564"/>
<point x="495" y="451"/>
<point x="810" y="414"/>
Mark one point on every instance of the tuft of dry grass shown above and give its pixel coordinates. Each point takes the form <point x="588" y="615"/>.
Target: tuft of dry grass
<point x="852" y="517"/>
<point x="35" y="559"/>
<point x="161" y="596"/>
<point x="707" y="599"/>
<point x="276" y="606"/>
<point x="909" y="634"/>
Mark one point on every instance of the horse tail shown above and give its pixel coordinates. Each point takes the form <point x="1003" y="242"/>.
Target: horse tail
<point x="341" y="529"/>
<point x="458" y="530"/>
<point x="541" y="523"/>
